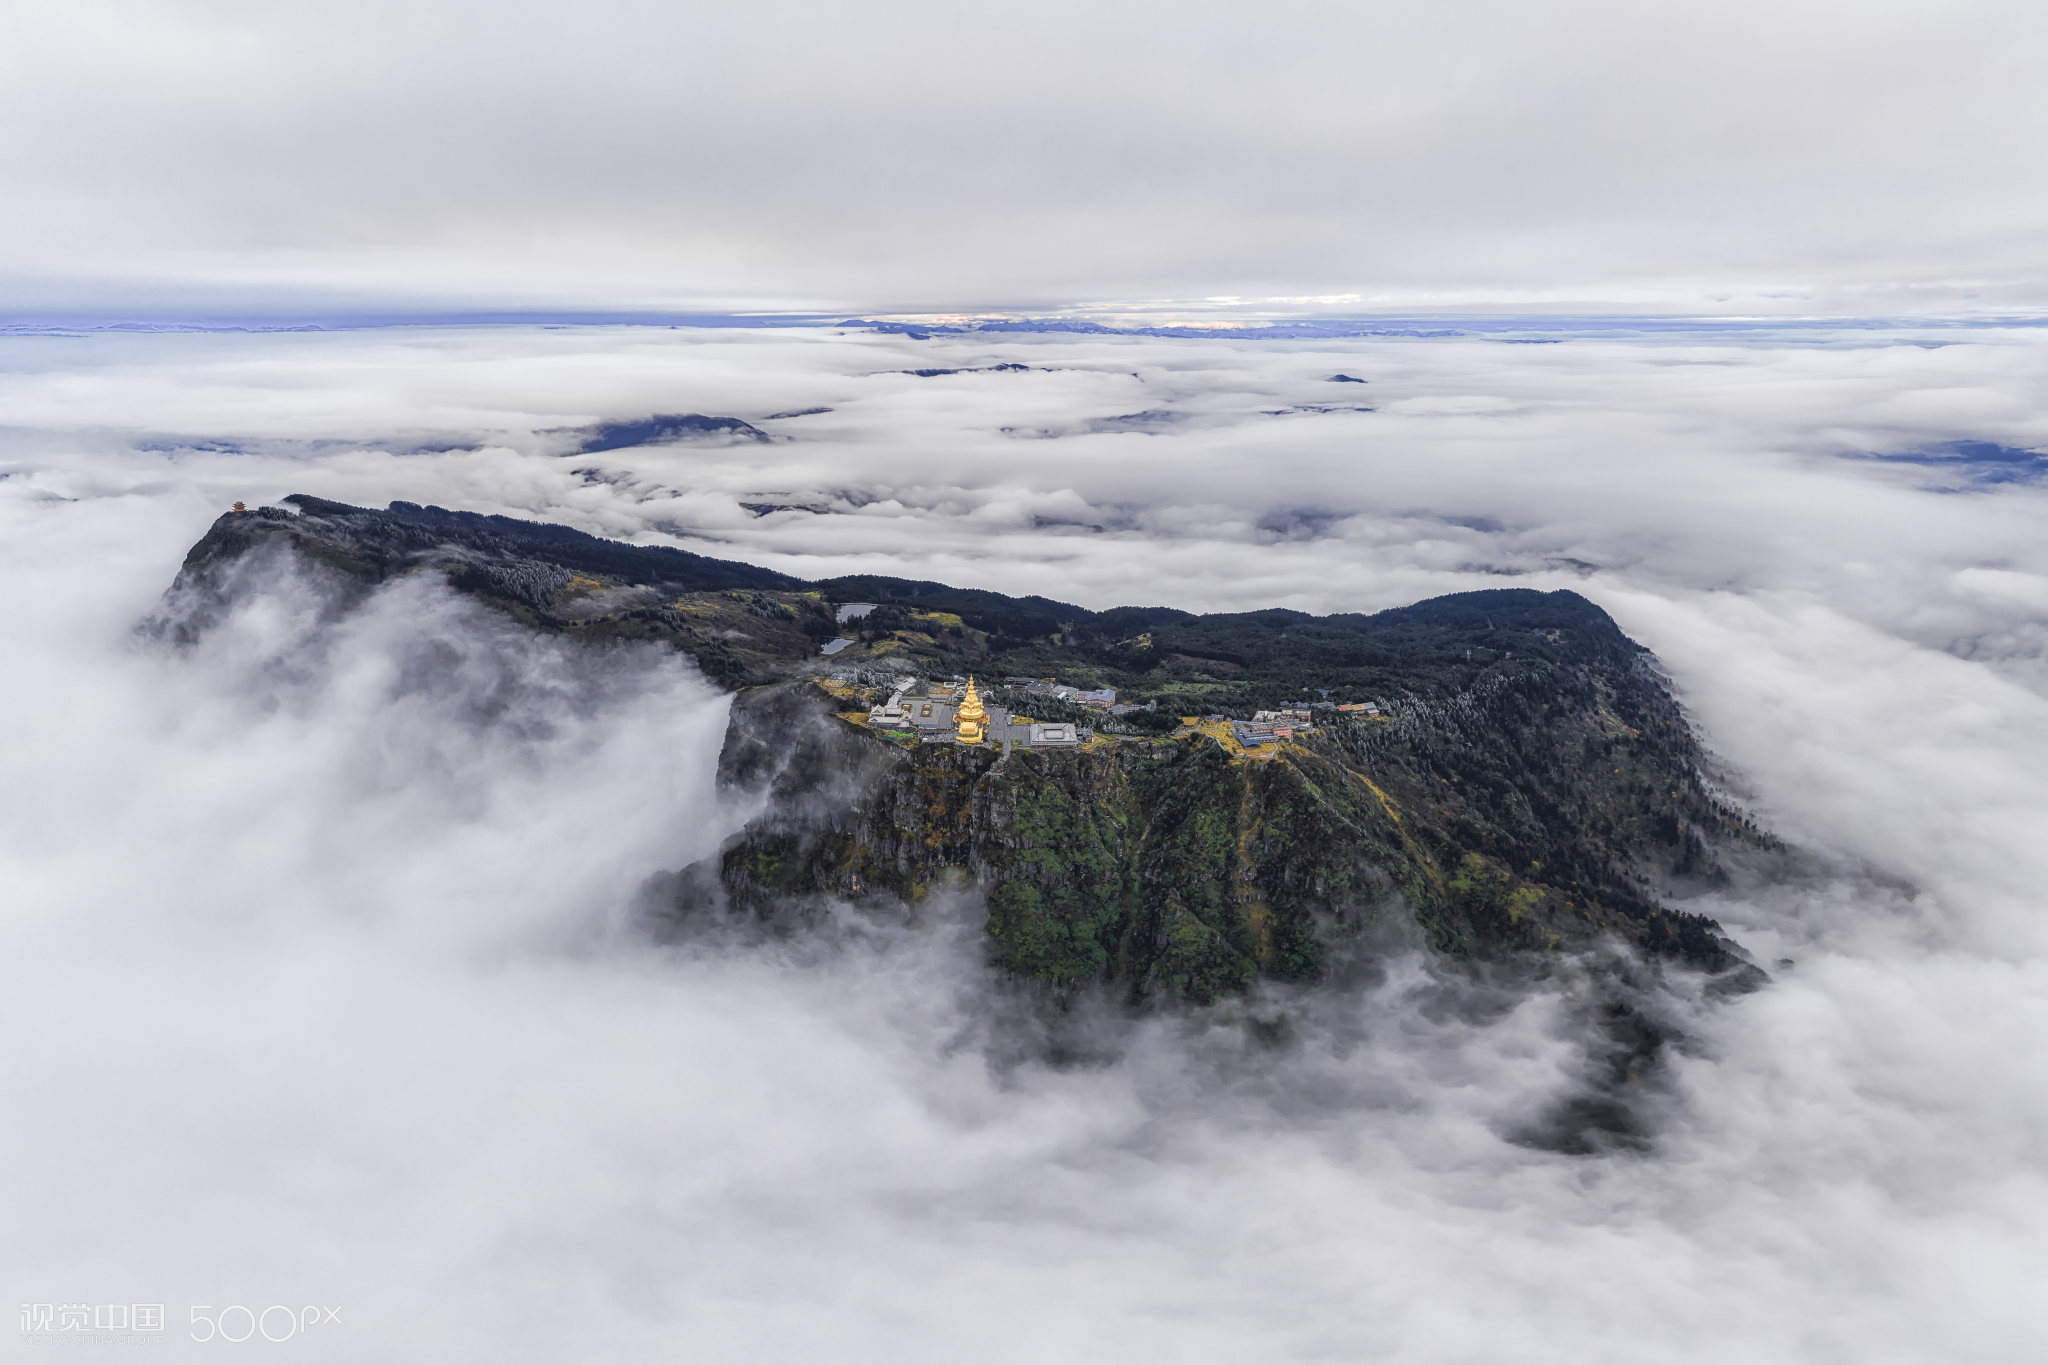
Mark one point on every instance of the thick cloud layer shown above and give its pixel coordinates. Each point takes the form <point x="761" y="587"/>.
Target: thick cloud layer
<point x="212" y="156"/>
<point x="318" y="944"/>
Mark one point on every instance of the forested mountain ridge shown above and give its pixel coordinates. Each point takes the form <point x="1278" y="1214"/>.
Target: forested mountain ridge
<point x="1529" y="786"/>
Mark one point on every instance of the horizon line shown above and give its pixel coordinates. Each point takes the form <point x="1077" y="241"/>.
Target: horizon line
<point x="924" y="323"/>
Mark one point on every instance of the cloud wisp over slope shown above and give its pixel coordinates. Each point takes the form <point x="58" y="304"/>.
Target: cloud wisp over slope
<point x="322" y="952"/>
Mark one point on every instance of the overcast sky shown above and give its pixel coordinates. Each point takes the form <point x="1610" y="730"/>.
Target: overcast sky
<point x="185" y="157"/>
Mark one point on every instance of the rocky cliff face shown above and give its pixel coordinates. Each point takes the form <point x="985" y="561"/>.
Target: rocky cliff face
<point x="1531" y="788"/>
<point x="1530" y="819"/>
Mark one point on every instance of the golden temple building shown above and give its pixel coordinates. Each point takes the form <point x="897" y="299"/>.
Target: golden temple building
<point x="970" y="722"/>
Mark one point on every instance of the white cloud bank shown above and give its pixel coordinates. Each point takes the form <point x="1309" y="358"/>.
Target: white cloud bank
<point x="314" y="969"/>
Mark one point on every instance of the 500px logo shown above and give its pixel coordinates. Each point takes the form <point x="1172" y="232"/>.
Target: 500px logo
<point x="275" y="1323"/>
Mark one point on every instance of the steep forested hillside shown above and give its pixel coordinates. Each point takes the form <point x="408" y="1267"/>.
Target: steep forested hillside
<point x="1529" y="786"/>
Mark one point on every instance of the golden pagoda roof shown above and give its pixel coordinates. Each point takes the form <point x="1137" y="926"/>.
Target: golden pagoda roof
<point x="970" y="722"/>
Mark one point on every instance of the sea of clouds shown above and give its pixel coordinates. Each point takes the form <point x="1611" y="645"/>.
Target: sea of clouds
<point x="322" y="985"/>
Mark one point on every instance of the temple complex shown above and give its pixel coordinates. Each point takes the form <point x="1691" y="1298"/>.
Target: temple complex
<point x="942" y="713"/>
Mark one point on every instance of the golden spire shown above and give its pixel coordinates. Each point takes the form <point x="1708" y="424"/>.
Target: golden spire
<point x="970" y="722"/>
